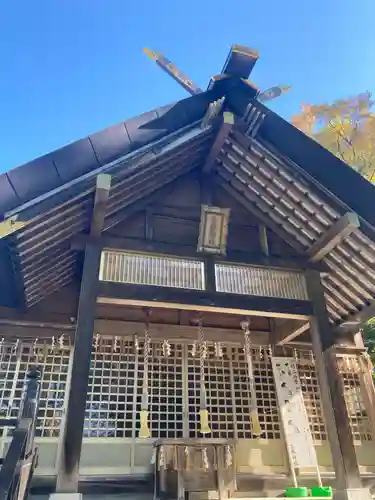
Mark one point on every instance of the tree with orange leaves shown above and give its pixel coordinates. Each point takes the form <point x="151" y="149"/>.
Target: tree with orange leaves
<point x="346" y="128"/>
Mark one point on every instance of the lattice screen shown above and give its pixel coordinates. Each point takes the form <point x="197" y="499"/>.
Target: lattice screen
<point x="109" y="407"/>
<point x="8" y="380"/>
<point x="350" y="370"/>
<point x="265" y="392"/>
<point x="311" y="396"/>
<point x="219" y="393"/>
<point x="250" y="280"/>
<point x="54" y="363"/>
<point x="147" y="269"/>
<point x="165" y="390"/>
<point x="115" y="388"/>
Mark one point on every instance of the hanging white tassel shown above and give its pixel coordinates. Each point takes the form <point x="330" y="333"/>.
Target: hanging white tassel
<point x="35" y="349"/>
<point x="166" y="348"/>
<point x="96" y="341"/>
<point x="136" y="343"/>
<point x="15" y="347"/>
<point x="194" y="349"/>
<point x="161" y="457"/>
<point x="53" y="344"/>
<point x="228" y="457"/>
<point x="204" y="350"/>
<point x="312" y="358"/>
<point x="115" y="344"/>
<point x="206" y="464"/>
<point x="61" y="341"/>
<point x="153" y="457"/>
<point x="270" y="353"/>
<point x="218" y="350"/>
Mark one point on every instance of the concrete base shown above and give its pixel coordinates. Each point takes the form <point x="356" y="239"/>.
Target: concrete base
<point x="66" y="496"/>
<point x="353" y="494"/>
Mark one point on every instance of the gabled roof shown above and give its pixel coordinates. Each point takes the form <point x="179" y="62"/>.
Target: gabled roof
<point x="286" y="179"/>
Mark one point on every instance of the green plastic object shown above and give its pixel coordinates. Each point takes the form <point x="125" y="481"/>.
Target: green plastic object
<point x="296" y="492"/>
<point x="322" y="491"/>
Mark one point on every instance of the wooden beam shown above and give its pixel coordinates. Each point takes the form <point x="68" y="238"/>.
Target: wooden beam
<point x="67" y="478"/>
<point x="206" y="197"/>
<point x="226" y="127"/>
<point x="197" y="299"/>
<point x="124" y="328"/>
<point x="290" y="330"/>
<point x="149" y="224"/>
<point x="331" y="389"/>
<point x="335" y="234"/>
<point x="177" y="332"/>
<point x="263" y="239"/>
<point x="236" y="257"/>
<point x="209" y="274"/>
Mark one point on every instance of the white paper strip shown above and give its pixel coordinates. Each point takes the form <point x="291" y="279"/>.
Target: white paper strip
<point x="293" y="413"/>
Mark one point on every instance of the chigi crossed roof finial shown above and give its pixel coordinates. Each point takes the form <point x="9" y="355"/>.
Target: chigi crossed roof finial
<point x="239" y="63"/>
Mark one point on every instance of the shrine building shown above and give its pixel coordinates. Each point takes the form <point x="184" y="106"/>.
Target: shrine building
<point x="191" y="284"/>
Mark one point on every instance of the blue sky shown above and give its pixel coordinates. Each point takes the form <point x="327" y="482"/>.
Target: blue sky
<point x="72" y="67"/>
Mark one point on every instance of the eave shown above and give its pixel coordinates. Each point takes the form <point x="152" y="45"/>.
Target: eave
<point x="299" y="202"/>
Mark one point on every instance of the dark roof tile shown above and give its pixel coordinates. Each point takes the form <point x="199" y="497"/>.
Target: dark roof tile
<point x="111" y="143"/>
<point x="8" y="197"/>
<point x="141" y="131"/>
<point x="29" y="186"/>
<point x="70" y="162"/>
<point x="75" y="159"/>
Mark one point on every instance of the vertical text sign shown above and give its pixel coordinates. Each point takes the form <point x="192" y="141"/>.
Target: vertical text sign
<point x="293" y="413"/>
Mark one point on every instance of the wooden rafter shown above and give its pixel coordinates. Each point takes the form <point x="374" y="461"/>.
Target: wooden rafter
<point x="225" y="128"/>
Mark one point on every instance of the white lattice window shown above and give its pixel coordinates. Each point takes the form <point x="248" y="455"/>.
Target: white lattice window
<point x="311" y="396"/>
<point x="265" y="393"/>
<point x="165" y="390"/>
<point x="260" y="281"/>
<point x="53" y="362"/>
<point x="350" y="371"/>
<point x="8" y="379"/>
<point x="110" y="398"/>
<point x="145" y="269"/>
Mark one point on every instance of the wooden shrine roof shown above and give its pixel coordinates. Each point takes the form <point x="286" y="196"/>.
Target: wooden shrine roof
<point x="286" y="179"/>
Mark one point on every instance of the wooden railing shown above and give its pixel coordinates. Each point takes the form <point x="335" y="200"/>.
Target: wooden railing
<point x="131" y="268"/>
<point x="21" y="458"/>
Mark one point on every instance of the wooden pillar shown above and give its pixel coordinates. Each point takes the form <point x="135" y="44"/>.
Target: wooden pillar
<point x="68" y="473"/>
<point x="333" y="401"/>
<point x="207" y="193"/>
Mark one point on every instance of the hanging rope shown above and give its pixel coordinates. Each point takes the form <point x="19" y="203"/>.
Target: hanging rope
<point x="254" y="418"/>
<point x="144" y="431"/>
<point x="203" y="413"/>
